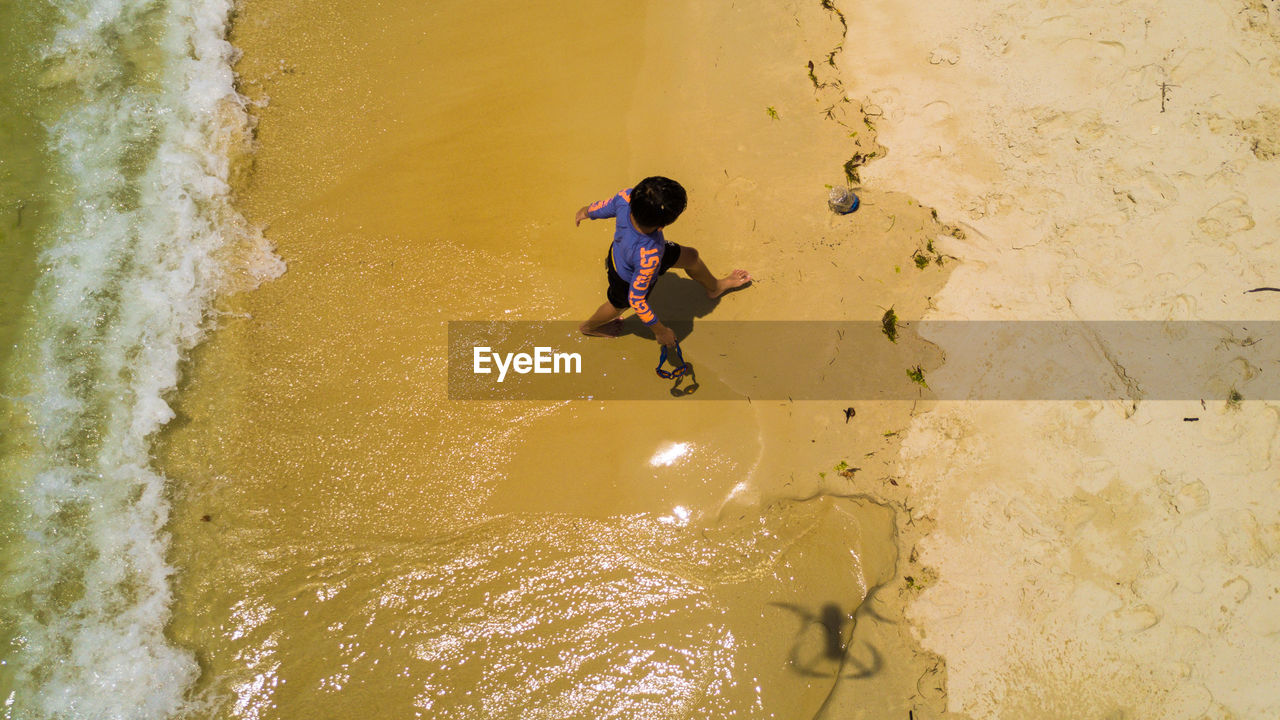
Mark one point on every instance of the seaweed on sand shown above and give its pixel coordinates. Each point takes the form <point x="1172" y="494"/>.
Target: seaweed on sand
<point x="889" y="325"/>
<point x="917" y="376"/>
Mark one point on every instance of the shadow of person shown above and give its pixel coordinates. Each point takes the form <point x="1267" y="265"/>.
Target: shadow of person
<point x="677" y="301"/>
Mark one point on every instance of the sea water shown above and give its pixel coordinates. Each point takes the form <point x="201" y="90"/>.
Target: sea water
<point x="121" y="127"/>
<point x="345" y="542"/>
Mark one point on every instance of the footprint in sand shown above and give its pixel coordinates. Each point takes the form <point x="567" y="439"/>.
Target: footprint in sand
<point x="945" y="54"/>
<point x="1180" y="308"/>
<point x="1191" y="498"/>
<point x="995" y="40"/>
<point x="1227" y="218"/>
<point x="1246" y="542"/>
<point x="1127" y="621"/>
<point x="1131" y="270"/>
<point x="936" y="112"/>
<point x="1097" y="59"/>
<point x="1237" y="589"/>
<point x="1147" y="190"/>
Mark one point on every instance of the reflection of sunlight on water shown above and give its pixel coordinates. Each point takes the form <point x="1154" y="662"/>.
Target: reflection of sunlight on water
<point x="253" y="697"/>
<point x="667" y="455"/>
<point x="679" y="516"/>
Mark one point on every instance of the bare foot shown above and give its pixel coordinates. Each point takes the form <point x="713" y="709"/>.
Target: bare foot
<point x="612" y="329"/>
<point x="737" y="278"/>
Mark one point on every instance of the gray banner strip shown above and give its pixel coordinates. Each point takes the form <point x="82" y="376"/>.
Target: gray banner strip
<point x="855" y="360"/>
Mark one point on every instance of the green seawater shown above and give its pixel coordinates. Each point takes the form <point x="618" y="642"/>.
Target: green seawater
<point x="27" y="175"/>
<point x="27" y="180"/>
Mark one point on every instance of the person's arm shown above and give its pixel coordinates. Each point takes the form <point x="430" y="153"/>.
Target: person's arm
<point x="602" y="209"/>
<point x="645" y="274"/>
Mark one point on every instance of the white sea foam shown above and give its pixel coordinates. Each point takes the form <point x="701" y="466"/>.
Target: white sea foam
<point x="145" y="239"/>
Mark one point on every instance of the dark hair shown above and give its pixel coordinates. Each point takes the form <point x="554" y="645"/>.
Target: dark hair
<point x="657" y="201"/>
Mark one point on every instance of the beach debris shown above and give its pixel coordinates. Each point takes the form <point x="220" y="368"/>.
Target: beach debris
<point x="1234" y="398"/>
<point x="813" y="78"/>
<point x="917" y="376"/>
<point x="889" y="324"/>
<point x="858" y="160"/>
<point x="206" y="518"/>
<point x="830" y="7"/>
<point x="849" y="413"/>
<point x="773" y="112"/>
<point x="929" y="254"/>
<point x="1262" y="289"/>
<point x="844" y="469"/>
<point x="1190" y="419"/>
<point x="1164" y="93"/>
<point x="842" y="201"/>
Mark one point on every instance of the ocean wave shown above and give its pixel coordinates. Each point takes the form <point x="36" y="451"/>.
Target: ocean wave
<point x="145" y="128"/>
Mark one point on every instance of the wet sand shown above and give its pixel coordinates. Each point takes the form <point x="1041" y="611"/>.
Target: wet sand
<point x="351" y="540"/>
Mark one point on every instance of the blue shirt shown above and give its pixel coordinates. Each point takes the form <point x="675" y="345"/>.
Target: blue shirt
<point x="636" y="256"/>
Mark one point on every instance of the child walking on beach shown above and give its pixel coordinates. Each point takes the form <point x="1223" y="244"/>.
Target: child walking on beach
<point x="639" y="254"/>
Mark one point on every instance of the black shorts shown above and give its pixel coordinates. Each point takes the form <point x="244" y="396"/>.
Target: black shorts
<point x="619" y="289"/>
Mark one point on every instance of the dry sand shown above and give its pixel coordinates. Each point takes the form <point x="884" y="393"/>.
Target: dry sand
<point x="1111" y="160"/>
<point x="351" y="539"/>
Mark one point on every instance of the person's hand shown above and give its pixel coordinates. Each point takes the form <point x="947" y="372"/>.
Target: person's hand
<point x="582" y="215"/>
<point x="664" y="335"/>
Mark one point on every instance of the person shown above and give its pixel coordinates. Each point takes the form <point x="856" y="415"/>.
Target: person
<point x="639" y="254"/>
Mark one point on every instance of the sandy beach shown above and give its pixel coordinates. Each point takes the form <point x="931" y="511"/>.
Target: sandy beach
<point x="998" y="445"/>
<point x="269" y="504"/>
<point x="349" y="537"/>
<point x="1107" y="161"/>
